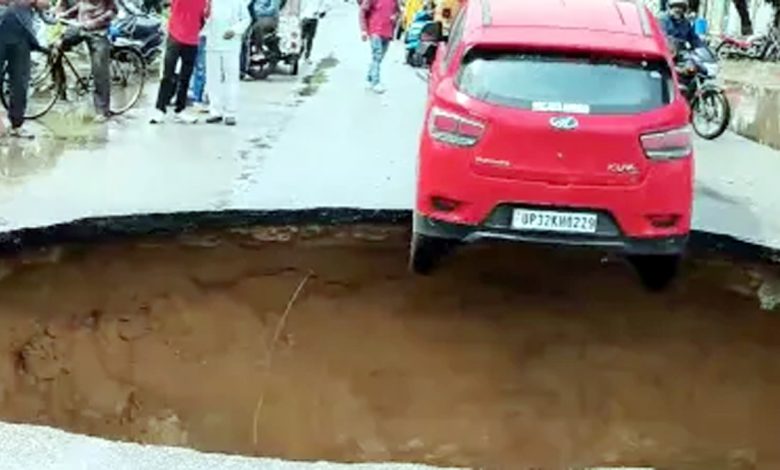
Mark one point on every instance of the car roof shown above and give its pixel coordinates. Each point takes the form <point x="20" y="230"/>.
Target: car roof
<point x="623" y="26"/>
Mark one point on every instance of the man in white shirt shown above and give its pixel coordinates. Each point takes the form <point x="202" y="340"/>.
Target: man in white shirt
<point x="311" y="12"/>
<point x="224" y="29"/>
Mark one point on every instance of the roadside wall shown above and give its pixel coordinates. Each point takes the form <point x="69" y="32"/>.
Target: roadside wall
<point x="753" y="89"/>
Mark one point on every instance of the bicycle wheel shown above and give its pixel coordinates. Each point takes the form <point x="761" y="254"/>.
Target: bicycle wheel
<point x="42" y="92"/>
<point x="128" y="74"/>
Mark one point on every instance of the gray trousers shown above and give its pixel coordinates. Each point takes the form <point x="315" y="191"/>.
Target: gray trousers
<point x="100" y="57"/>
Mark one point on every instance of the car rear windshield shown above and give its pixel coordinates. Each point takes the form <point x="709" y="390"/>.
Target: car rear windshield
<point x="587" y="84"/>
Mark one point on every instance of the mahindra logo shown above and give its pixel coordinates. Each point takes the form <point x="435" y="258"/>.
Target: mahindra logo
<point x="564" y="123"/>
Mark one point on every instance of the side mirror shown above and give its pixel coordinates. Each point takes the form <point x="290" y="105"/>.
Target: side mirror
<point x="432" y="32"/>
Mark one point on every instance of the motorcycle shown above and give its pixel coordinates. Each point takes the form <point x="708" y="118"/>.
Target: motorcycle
<point x="697" y="70"/>
<point x="413" y="37"/>
<point x="133" y="27"/>
<point x="764" y="47"/>
<point x="282" y="45"/>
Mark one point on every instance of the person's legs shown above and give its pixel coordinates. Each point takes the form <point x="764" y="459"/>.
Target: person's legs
<point x="379" y="47"/>
<point x="71" y="38"/>
<point x="264" y="26"/>
<point x="214" y="85"/>
<point x="4" y="52"/>
<point x="188" y="56"/>
<point x="373" y="69"/>
<point x="100" y="56"/>
<point x="18" y="66"/>
<point x="308" y="31"/>
<point x="744" y="17"/>
<point x="246" y="39"/>
<point x="199" y="79"/>
<point x="168" y="82"/>
<point x="230" y="85"/>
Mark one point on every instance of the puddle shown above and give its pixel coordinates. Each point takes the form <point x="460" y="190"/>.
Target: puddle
<point x="55" y="133"/>
<point x="509" y="357"/>
<point x="75" y="125"/>
<point x="312" y="82"/>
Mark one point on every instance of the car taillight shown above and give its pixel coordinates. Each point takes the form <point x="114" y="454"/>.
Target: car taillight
<point x="454" y="129"/>
<point x="668" y="145"/>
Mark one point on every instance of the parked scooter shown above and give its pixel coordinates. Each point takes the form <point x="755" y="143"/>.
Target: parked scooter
<point x="414" y="35"/>
<point x="143" y="30"/>
<point x="697" y="70"/>
<point x="282" y="46"/>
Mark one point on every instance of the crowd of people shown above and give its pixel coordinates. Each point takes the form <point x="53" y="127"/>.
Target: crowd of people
<point x="18" y="40"/>
<point x="204" y="36"/>
<point x="208" y="38"/>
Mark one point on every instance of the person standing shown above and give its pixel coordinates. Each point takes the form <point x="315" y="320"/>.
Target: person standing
<point x="311" y="12"/>
<point x="265" y="17"/>
<point x="184" y="26"/>
<point x="377" y="24"/>
<point x="746" y="25"/>
<point x="227" y="21"/>
<point x="94" y="17"/>
<point x="17" y="40"/>
<point x="198" y="85"/>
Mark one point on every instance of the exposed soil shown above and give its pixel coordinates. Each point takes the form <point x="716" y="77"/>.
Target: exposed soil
<point x="510" y="357"/>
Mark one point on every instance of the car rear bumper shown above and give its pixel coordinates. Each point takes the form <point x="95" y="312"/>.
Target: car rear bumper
<point x="668" y="245"/>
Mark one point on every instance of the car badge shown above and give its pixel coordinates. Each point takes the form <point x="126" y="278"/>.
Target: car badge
<point x="564" y="123"/>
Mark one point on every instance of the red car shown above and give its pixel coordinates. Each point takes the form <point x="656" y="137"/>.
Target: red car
<point x="556" y="122"/>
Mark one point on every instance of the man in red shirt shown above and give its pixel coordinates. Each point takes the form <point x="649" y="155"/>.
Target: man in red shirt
<point x="186" y="20"/>
<point x="377" y="24"/>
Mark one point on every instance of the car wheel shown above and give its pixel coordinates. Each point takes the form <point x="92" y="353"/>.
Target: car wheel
<point x="427" y="252"/>
<point x="656" y="272"/>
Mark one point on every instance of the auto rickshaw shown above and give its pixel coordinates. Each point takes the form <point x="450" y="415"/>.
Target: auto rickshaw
<point x="445" y="12"/>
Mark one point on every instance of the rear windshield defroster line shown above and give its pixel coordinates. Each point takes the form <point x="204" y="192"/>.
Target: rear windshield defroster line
<point x="600" y="84"/>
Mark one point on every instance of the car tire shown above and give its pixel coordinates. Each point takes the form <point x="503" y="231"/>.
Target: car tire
<point x="656" y="272"/>
<point x="427" y="252"/>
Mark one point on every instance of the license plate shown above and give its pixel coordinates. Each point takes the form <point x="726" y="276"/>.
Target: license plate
<point x="553" y="221"/>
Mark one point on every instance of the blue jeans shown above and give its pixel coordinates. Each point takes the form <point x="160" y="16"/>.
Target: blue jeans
<point x="198" y="85"/>
<point x="379" y="47"/>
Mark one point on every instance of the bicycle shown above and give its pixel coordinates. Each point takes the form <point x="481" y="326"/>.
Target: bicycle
<point x="50" y="82"/>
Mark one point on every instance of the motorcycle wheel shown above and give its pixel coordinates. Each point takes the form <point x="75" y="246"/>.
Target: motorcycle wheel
<point x="260" y="72"/>
<point x="729" y="51"/>
<point x="702" y="105"/>
<point x="294" y="67"/>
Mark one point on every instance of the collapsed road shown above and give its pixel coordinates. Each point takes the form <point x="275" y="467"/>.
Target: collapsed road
<point x="314" y="342"/>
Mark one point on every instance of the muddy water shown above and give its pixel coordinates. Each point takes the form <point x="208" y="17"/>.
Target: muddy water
<point x="511" y="357"/>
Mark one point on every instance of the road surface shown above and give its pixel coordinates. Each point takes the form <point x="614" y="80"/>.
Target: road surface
<point x="325" y="144"/>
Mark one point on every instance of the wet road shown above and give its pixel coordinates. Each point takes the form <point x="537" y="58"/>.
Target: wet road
<point x="511" y="357"/>
<point x="325" y="143"/>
